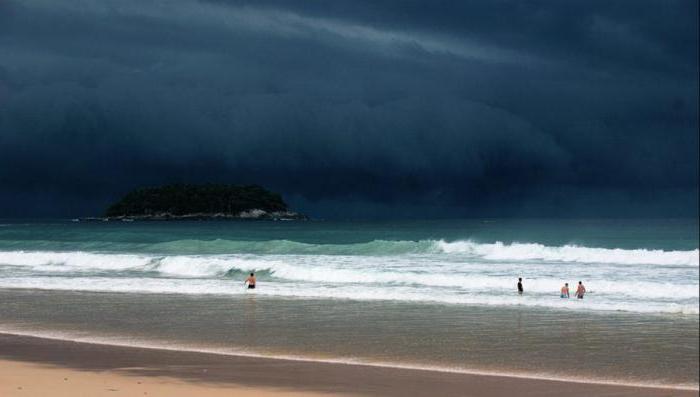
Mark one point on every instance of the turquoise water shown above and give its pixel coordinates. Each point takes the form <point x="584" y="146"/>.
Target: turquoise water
<point x="439" y="294"/>
<point x="674" y="234"/>
<point x="631" y="265"/>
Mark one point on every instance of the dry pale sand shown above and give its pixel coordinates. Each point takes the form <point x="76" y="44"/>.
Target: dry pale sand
<point x="32" y="366"/>
<point x="19" y="379"/>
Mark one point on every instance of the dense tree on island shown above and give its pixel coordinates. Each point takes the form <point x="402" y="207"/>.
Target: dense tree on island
<point x="182" y="200"/>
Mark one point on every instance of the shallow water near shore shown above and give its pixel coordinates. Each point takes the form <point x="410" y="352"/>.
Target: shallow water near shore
<point x="437" y="294"/>
<point x="614" y="347"/>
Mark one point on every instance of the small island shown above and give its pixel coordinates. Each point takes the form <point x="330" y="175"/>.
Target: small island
<point x="200" y="202"/>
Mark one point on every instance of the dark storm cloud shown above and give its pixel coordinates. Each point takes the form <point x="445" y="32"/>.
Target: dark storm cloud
<point x="468" y="108"/>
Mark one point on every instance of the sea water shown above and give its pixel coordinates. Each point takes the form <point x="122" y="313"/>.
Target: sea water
<point x="438" y="294"/>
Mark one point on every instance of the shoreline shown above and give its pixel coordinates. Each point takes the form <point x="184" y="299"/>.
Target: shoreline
<point x="153" y="345"/>
<point x="290" y="373"/>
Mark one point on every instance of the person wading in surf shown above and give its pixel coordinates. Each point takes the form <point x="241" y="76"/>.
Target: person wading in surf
<point x="580" y="291"/>
<point x="520" y="286"/>
<point x="250" y="281"/>
<point x="565" y="291"/>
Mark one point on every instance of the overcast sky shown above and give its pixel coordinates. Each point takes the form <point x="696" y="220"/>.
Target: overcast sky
<point x="354" y="108"/>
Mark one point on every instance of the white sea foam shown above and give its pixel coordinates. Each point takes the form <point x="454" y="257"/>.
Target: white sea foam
<point x="497" y="251"/>
<point x="72" y="261"/>
<point x="456" y="273"/>
<point x="570" y="253"/>
<point x="341" y="270"/>
<point x="351" y="292"/>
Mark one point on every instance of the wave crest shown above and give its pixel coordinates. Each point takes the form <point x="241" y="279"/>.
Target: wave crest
<point x="569" y="253"/>
<point x="462" y="250"/>
<point x="497" y="251"/>
<point x="461" y="272"/>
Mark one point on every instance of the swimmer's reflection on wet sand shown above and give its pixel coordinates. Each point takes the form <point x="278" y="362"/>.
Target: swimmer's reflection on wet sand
<point x="250" y="319"/>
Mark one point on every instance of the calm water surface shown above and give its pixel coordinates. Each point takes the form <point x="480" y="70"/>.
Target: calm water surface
<point x="657" y="349"/>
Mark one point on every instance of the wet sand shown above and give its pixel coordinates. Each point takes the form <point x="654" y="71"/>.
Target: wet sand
<point x="42" y="364"/>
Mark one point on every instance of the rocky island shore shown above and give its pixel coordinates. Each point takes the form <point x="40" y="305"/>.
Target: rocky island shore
<point x="199" y="202"/>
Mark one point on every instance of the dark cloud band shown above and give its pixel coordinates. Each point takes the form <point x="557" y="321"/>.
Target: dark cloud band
<point x="477" y="108"/>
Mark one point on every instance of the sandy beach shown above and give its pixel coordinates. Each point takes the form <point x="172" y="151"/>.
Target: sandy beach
<point x="349" y="198"/>
<point x="36" y="366"/>
<point x="22" y="379"/>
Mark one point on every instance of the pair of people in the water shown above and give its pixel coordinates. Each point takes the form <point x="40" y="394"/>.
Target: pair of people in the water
<point x="580" y="291"/>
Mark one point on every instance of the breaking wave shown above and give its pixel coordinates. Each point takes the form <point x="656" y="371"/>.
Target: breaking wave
<point x="570" y="253"/>
<point x="462" y="272"/>
<point x="498" y="251"/>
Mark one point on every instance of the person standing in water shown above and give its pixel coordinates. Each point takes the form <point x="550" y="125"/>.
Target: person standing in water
<point x="250" y="281"/>
<point x="520" y="286"/>
<point x="580" y="291"/>
<point x="565" y="291"/>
